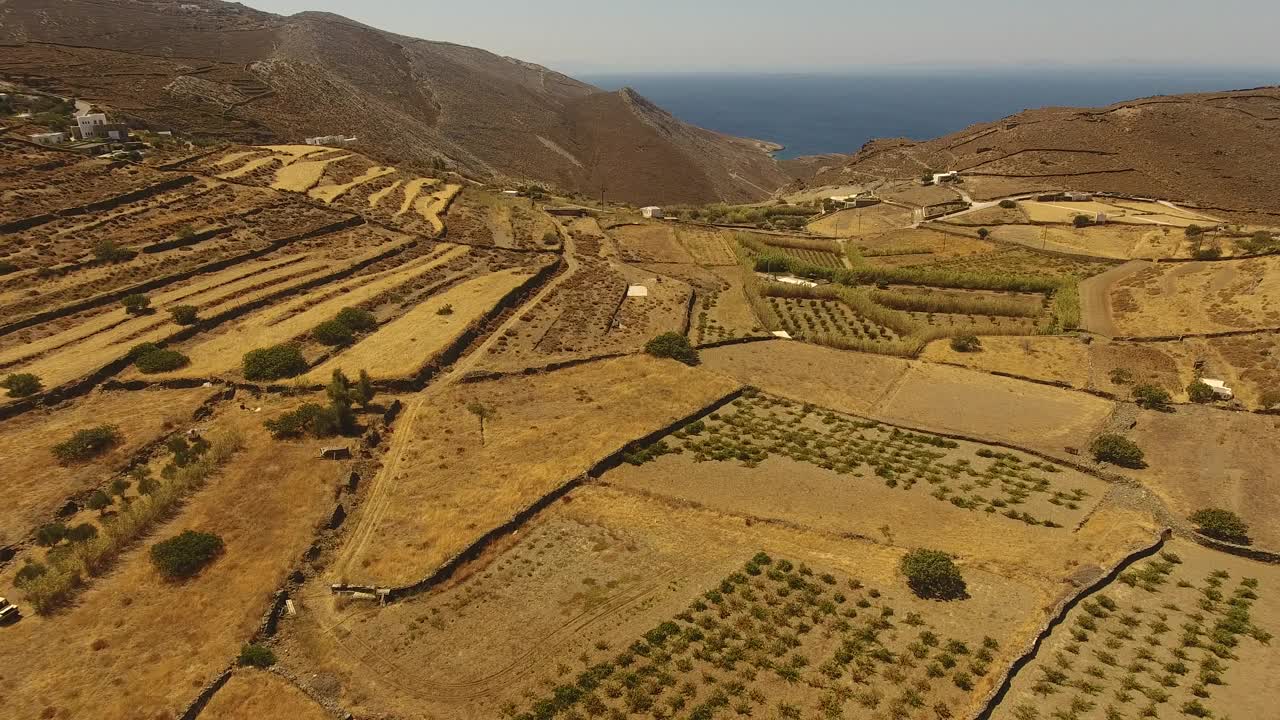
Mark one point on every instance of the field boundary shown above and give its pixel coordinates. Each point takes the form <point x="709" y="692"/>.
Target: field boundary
<point x="447" y="569"/>
<point x="83" y="385"/>
<point x="1245" y="551"/>
<point x="476" y="376"/>
<point x="1058" y="616"/>
<point x="106" y="204"/>
<point x="142" y="287"/>
<point x="1179" y="338"/>
<point x="206" y="694"/>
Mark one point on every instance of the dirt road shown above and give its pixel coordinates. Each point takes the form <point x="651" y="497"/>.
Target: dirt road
<point x="1095" y="298"/>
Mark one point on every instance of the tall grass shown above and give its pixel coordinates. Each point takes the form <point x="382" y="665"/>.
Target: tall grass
<point x="956" y="305"/>
<point x="1066" y="305"/>
<point x="69" y="573"/>
<point x="867" y="275"/>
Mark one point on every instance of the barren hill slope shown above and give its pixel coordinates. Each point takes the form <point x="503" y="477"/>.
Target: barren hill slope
<point x="223" y="70"/>
<point x="1212" y="149"/>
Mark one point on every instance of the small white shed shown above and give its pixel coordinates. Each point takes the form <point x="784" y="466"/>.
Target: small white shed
<point x="1220" y="388"/>
<point x="653" y="212"/>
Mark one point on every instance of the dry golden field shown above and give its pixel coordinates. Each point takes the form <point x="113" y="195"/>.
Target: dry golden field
<point x="520" y="514"/>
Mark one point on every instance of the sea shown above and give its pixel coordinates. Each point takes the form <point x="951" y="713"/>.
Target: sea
<point x="818" y="113"/>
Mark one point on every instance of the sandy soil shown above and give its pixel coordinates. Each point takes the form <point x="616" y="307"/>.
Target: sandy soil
<point x="978" y="405"/>
<point x="1057" y="359"/>
<point x="650" y="243"/>
<point x="166" y="640"/>
<point x="1199" y="298"/>
<point x="849" y="382"/>
<point x="1200" y="457"/>
<point x="39" y="485"/>
<point x="547" y="430"/>
<point x="259" y="694"/>
<point x="401" y="347"/>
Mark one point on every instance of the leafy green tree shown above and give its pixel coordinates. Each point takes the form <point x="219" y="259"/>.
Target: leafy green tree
<point x="931" y="574"/>
<point x="87" y="444"/>
<point x="332" y="332"/>
<point x="672" y="345"/>
<point x="256" y="656"/>
<point x="1221" y="524"/>
<point x="274" y="363"/>
<point x="136" y="304"/>
<point x="364" y="390"/>
<point x="50" y="534"/>
<point x="82" y="532"/>
<point x="482" y="412"/>
<point x="1081" y="221"/>
<point x="983" y="233"/>
<point x="1152" y="397"/>
<point x="187" y="554"/>
<point x="1008" y="204"/>
<point x="22" y="384"/>
<point x="340" y="395"/>
<point x="966" y="343"/>
<point x="1118" y="450"/>
<point x="357" y="319"/>
<point x="1200" y="392"/>
<point x="185" y="314"/>
<point x="312" y="418"/>
<point x="30" y="571"/>
<point x="160" y="360"/>
<point x="98" y="500"/>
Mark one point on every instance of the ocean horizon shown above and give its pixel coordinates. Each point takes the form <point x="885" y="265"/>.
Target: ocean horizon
<point x="815" y="113"/>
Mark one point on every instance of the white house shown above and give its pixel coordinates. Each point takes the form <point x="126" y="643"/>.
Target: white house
<point x="1220" y="389"/>
<point x="939" y="178"/>
<point x="50" y="138"/>
<point x="330" y="140"/>
<point x="89" y="123"/>
<point x="652" y="212"/>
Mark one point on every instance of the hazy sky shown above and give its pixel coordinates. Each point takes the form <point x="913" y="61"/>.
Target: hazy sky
<point x="751" y="35"/>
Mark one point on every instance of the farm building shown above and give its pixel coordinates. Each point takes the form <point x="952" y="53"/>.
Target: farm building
<point x="1220" y="389"/>
<point x="652" y="212"/>
<point x="51" y="138"/>
<point x="87" y="125"/>
<point x="338" y="140"/>
<point x="946" y="177"/>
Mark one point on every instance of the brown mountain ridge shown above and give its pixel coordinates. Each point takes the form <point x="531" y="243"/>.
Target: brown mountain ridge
<point x="226" y="71"/>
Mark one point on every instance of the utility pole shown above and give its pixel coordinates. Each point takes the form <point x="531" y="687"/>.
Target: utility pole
<point x="601" y="196"/>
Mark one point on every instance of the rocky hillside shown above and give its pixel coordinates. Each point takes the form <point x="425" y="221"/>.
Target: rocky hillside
<point x="224" y="71"/>
<point x="1211" y="149"/>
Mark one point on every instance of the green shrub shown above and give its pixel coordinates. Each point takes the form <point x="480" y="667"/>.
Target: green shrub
<point x="187" y="554"/>
<point x="7" y="267"/>
<point x="274" y="363"/>
<point x="317" y="420"/>
<point x="21" y="384"/>
<point x="159" y="360"/>
<point x="185" y="314"/>
<point x="98" y="500"/>
<point x="29" y="571"/>
<point x="1199" y="392"/>
<point x="446" y="309"/>
<point x="1221" y="524"/>
<point x="1270" y="398"/>
<point x="136" y="304"/>
<point x="108" y="251"/>
<point x="82" y="532"/>
<point x="966" y="343"/>
<point x="1212" y="252"/>
<point x="983" y="233"/>
<point x="1121" y="376"/>
<point x="672" y="345"/>
<point x="1118" y="450"/>
<point x="1082" y="221"/>
<point x="1194" y="231"/>
<point x="1152" y="397"/>
<point x="932" y="574"/>
<point x="332" y="332"/>
<point x="252" y="655"/>
<point x="87" y="444"/>
<point x="50" y="534"/>
<point x="1008" y="204"/>
<point x="356" y="319"/>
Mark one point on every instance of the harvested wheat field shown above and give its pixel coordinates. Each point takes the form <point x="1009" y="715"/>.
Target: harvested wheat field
<point x="1198" y="297"/>
<point x="544" y="432"/>
<point x="400" y="348"/>
<point x="42" y="485"/>
<point x="221" y="352"/>
<point x="861" y="222"/>
<point x="260" y="694"/>
<point x="649" y="243"/>
<point x="1052" y="359"/>
<point x="156" y="654"/>
<point x="1047" y="419"/>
